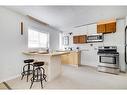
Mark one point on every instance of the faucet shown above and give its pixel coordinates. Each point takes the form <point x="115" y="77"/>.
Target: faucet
<point x="77" y="48"/>
<point x="70" y="48"/>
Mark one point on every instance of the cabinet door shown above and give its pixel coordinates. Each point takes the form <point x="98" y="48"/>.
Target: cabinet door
<point x="76" y="58"/>
<point x="64" y="59"/>
<point x="111" y="27"/>
<point x="101" y="28"/>
<point x="82" y="39"/>
<point x="79" y="39"/>
<point x="75" y="39"/>
<point x="71" y="58"/>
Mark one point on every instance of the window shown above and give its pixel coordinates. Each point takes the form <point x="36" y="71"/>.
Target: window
<point x="60" y="40"/>
<point x="37" y="39"/>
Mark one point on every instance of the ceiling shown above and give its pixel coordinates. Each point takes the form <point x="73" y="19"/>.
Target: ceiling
<point x="67" y="17"/>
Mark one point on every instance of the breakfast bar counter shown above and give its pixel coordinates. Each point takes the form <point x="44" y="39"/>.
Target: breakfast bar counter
<point x="52" y="62"/>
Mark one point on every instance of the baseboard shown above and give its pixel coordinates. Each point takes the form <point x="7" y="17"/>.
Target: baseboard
<point x="10" y="78"/>
<point x="96" y="67"/>
<point x="123" y="71"/>
<point x="88" y="66"/>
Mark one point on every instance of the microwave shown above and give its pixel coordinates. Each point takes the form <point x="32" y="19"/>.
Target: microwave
<point x="95" y="38"/>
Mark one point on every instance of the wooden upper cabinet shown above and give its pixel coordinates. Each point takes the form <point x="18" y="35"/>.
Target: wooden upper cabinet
<point x="106" y="26"/>
<point x="80" y="39"/>
<point x="101" y="28"/>
<point x="111" y="27"/>
<point x="75" y="39"/>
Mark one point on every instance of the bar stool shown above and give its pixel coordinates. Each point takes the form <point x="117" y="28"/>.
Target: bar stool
<point x="38" y="73"/>
<point x="27" y="68"/>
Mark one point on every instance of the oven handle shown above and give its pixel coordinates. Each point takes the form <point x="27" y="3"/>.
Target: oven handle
<point x="125" y="45"/>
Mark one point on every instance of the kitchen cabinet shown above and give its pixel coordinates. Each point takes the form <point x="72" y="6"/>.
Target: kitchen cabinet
<point x="101" y="28"/>
<point x="80" y="39"/>
<point x="65" y="59"/>
<point x="75" y="39"/>
<point x="106" y="27"/>
<point x="111" y="27"/>
<point x="73" y="58"/>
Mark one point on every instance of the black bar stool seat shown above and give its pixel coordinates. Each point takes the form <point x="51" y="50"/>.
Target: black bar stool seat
<point x="27" y="68"/>
<point x="38" y="73"/>
<point x="36" y="64"/>
<point x="29" y="61"/>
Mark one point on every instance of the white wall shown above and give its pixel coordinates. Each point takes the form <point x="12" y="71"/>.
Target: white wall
<point x="13" y="43"/>
<point x="89" y="55"/>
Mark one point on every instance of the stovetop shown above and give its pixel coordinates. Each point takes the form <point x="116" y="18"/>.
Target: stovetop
<point x="107" y="53"/>
<point x="107" y="50"/>
<point x="107" y="47"/>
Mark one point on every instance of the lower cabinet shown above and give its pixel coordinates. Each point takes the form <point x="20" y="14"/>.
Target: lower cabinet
<point x="65" y="59"/>
<point x="73" y="58"/>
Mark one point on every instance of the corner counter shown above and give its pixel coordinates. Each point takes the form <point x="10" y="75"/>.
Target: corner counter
<point x="52" y="60"/>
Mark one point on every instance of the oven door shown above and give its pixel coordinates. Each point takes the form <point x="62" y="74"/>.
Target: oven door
<point x="108" y="61"/>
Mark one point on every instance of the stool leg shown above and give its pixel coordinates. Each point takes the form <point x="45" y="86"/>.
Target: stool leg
<point x="28" y="72"/>
<point x="37" y="73"/>
<point x="27" y="78"/>
<point x="23" y="73"/>
<point x="41" y="84"/>
<point x="32" y="79"/>
<point x="41" y="79"/>
<point x="44" y="76"/>
<point x="31" y="83"/>
<point x="22" y="76"/>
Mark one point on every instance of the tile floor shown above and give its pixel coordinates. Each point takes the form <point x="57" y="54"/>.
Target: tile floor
<point x="83" y="77"/>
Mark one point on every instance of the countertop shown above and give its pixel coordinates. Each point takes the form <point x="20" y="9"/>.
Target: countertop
<point x="45" y="53"/>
